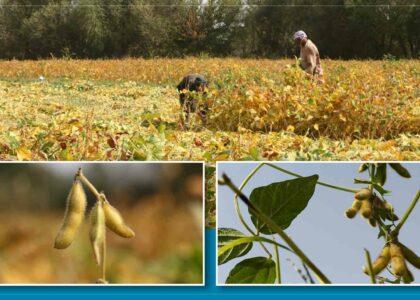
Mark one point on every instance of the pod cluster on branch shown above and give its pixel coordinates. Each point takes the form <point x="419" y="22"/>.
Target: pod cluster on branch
<point x="396" y="255"/>
<point x="371" y="207"/>
<point x="103" y="215"/>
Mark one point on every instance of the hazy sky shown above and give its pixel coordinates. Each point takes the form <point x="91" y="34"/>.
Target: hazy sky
<point x="331" y="240"/>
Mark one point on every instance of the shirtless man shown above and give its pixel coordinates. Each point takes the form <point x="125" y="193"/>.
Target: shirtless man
<point x="309" y="54"/>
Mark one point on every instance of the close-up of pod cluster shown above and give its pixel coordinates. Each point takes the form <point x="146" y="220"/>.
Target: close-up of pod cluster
<point x="103" y="215"/>
<point x="397" y="255"/>
<point x="378" y="211"/>
<point x="371" y="207"/>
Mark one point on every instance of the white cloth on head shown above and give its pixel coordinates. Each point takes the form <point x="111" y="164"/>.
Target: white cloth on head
<point x="299" y="35"/>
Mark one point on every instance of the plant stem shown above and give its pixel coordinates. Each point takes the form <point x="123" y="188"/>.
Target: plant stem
<point x="308" y="273"/>
<point x="104" y="261"/>
<point x="406" y="214"/>
<point x="278" y="270"/>
<point x="273" y="226"/>
<point x="340" y="188"/>
<point x="238" y="210"/>
<point x="88" y="184"/>
<point x="369" y="263"/>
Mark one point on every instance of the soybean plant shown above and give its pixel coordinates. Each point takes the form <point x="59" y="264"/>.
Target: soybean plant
<point x="103" y="215"/>
<point x="273" y="208"/>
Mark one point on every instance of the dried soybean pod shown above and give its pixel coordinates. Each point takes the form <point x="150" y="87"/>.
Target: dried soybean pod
<point x="352" y="211"/>
<point x="410" y="256"/>
<point x="75" y="212"/>
<point x="97" y="231"/>
<point x="381" y="262"/>
<point x="408" y="277"/>
<point x="115" y="222"/>
<point x="400" y="170"/>
<point x="399" y="268"/>
<point x="363" y="194"/>
<point x="366" y="209"/>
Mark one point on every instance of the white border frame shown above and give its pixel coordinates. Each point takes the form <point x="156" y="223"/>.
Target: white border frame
<point x="295" y="284"/>
<point x="203" y="283"/>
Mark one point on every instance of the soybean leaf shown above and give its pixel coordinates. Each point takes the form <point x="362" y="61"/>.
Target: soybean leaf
<point x="282" y="201"/>
<point x="226" y="235"/>
<point x="362" y="181"/>
<point x="380" y="176"/>
<point x="380" y="189"/>
<point x="253" y="270"/>
<point x="247" y="240"/>
<point x="363" y="167"/>
<point x="403" y="172"/>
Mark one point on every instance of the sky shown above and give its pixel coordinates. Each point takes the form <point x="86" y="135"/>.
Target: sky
<point x="332" y="241"/>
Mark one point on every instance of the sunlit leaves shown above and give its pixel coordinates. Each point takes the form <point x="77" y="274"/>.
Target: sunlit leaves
<point x="282" y="201"/>
<point x="253" y="270"/>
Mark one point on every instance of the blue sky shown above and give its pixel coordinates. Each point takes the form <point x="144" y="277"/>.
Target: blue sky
<point x="334" y="242"/>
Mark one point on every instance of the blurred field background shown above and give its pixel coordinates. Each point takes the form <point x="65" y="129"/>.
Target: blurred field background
<point x="161" y="202"/>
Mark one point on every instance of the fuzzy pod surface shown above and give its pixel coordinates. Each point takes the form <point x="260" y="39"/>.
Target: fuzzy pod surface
<point x="366" y="209"/>
<point x="97" y="231"/>
<point x="115" y="222"/>
<point x="363" y="194"/>
<point x="352" y="211"/>
<point x="73" y="217"/>
<point x="399" y="268"/>
<point x="381" y="261"/>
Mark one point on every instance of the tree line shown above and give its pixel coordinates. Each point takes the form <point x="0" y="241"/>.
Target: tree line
<point x="346" y="29"/>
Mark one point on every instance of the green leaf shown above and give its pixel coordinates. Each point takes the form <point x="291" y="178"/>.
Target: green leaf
<point x="247" y="240"/>
<point x="226" y="235"/>
<point x="362" y="181"/>
<point x="380" y="189"/>
<point x="380" y="176"/>
<point x="403" y="172"/>
<point x="253" y="270"/>
<point x="282" y="201"/>
<point x="363" y="167"/>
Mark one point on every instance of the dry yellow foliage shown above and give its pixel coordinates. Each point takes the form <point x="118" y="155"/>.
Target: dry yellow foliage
<point x="260" y="109"/>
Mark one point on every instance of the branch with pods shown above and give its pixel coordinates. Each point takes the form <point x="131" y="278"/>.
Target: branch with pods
<point x="103" y="215"/>
<point x="292" y="196"/>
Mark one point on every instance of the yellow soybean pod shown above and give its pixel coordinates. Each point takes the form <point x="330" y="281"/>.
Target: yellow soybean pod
<point x="97" y="231"/>
<point x="115" y="222"/>
<point x="381" y="262"/>
<point x="352" y="211"/>
<point x="363" y="194"/>
<point x="399" y="268"/>
<point x="366" y="209"/>
<point x="75" y="212"/>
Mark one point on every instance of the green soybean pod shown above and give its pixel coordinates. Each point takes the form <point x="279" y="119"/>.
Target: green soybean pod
<point x="410" y="256"/>
<point x="403" y="172"/>
<point x="75" y="212"/>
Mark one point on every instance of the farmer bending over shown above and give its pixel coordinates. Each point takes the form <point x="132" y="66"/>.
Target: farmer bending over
<point x="192" y="83"/>
<point x="309" y="54"/>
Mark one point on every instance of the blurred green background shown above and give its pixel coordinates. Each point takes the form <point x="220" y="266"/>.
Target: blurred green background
<point x="162" y="203"/>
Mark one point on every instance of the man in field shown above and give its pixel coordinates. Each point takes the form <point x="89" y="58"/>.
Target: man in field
<point x="189" y="103"/>
<point x="309" y="54"/>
